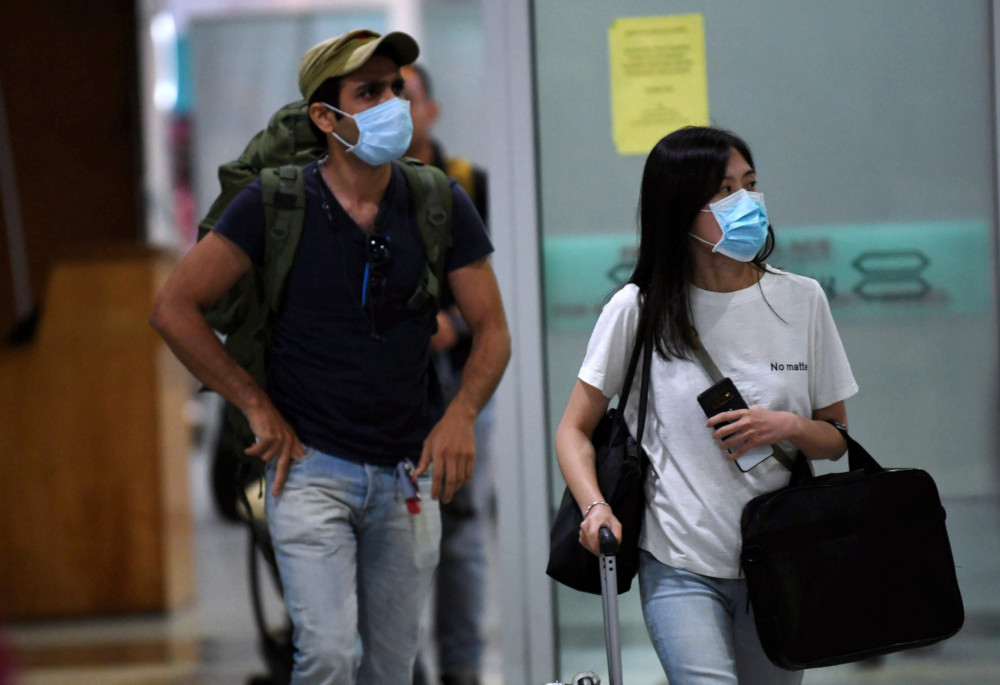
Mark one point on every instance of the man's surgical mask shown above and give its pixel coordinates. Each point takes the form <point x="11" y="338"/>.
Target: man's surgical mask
<point x="743" y="220"/>
<point x="384" y="131"/>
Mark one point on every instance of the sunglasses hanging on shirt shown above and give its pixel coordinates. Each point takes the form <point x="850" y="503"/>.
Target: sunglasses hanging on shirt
<point x="378" y="260"/>
<point x="376" y="267"/>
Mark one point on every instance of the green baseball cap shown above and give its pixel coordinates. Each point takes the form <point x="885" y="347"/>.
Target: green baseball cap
<point x="347" y="53"/>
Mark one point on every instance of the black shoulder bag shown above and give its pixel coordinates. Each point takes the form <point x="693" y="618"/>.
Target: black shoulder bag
<point x="621" y="470"/>
<point x="847" y="566"/>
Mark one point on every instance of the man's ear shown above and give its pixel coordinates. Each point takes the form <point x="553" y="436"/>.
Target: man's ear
<point x="433" y="112"/>
<point x="324" y="118"/>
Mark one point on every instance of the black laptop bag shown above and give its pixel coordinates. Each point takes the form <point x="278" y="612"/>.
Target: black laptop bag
<point x="848" y="566"/>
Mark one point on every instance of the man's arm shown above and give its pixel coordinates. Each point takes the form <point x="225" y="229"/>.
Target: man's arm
<point x="451" y="445"/>
<point x="202" y="277"/>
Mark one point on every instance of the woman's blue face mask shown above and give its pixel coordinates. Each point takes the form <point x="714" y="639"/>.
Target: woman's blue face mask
<point x="743" y="220"/>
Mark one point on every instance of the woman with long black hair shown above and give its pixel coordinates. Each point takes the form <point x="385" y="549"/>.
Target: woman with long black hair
<point x="701" y="276"/>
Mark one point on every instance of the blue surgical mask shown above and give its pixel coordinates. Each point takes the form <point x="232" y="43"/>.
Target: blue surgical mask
<point x="743" y="220"/>
<point x="384" y="131"/>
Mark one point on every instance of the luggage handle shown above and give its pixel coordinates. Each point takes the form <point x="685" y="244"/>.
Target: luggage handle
<point x="607" y="541"/>
<point x="858" y="459"/>
<point x="609" y="574"/>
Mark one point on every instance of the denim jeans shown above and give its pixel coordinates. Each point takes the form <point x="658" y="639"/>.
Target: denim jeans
<point x="354" y="563"/>
<point x="702" y="628"/>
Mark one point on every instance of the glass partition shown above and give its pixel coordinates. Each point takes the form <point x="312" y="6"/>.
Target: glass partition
<point x="872" y="128"/>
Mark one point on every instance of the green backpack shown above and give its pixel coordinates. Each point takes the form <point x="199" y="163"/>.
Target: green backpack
<point x="276" y="155"/>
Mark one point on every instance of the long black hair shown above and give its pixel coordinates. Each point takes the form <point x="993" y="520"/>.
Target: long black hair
<point x="682" y="174"/>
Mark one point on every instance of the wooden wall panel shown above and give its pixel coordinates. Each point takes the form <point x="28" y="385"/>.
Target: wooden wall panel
<point x="97" y="519"/>
<point x="69" y="72"/>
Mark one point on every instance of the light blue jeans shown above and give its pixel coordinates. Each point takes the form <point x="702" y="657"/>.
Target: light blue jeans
<point x="354" y="563"/>
<point x="702" y="628"/>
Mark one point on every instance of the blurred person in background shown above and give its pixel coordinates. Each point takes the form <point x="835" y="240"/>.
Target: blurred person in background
<point x="461" y="575"/>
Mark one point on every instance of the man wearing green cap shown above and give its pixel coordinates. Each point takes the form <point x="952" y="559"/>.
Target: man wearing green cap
<point x="351" y="394"/>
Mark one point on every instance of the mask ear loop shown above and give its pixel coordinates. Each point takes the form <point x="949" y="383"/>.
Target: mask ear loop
<point x="702" y="240"/>
<point x="348" y="147"/>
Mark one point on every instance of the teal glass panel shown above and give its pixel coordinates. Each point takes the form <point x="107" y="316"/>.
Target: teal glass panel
<point x="872" y="129"/>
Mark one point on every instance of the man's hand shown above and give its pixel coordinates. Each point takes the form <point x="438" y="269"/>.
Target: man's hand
<point x="275" y="440"/>
<point x="451" y="447"/>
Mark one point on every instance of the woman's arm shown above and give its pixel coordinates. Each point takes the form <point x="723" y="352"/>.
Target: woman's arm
<point x="816" y="438"/>
<point x="576" y="456"/>
<point x="830" y="444"/>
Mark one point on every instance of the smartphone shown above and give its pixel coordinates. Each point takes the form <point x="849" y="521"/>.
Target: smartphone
<point x="723" y="396"/>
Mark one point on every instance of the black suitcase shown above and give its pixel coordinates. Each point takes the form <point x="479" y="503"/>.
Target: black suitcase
<point x="847" y="566"/>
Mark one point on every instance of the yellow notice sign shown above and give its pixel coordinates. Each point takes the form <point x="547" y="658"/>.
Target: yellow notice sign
<point x="658" y="78"/>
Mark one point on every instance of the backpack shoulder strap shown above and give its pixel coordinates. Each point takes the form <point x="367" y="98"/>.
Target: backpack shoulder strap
<point x="284" y="193"/>
<point x="431" y="192"/>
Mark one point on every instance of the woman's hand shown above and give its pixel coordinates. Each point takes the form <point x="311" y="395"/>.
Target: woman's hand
<point x="755" y="426"/>
<point x="750" y="428"/>
<point x="598" y="516"/>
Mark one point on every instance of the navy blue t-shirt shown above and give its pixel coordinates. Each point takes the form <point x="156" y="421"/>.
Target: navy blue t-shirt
<point x="354" y="380"/>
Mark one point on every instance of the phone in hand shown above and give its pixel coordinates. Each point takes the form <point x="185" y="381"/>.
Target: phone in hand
<point x="723" y="396"/>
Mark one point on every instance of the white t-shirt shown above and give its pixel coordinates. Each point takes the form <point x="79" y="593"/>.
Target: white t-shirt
<point x="796" y="363"/>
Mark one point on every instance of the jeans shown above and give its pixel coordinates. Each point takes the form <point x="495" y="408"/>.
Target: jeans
<point x="702" y="628"/>
<point x="354" y="563"/>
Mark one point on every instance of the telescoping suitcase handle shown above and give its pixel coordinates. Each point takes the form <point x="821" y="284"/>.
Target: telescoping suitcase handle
<point x="609" y="594"/>
<point x="608" y="542"/>
<point x="609" y="579"/>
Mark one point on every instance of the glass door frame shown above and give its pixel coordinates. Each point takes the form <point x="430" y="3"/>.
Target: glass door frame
<point x="529" y="621"/>
<point x="521" y="440"/>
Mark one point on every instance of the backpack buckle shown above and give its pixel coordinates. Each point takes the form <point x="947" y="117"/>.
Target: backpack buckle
<point x="437" y="216"/>
<point x="284" y="200"/>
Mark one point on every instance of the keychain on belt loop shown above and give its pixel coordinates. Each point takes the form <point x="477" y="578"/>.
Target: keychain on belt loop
<point x="408" y="483"/>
